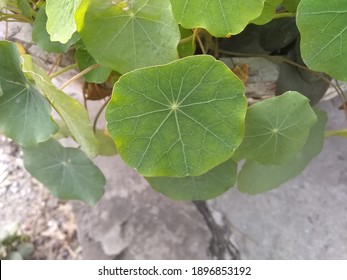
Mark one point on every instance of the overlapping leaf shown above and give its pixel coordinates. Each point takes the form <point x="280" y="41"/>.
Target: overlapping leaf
<point x="179" y="119"/>
<point x="71" y="111"/>
<point x="323" y="28"/>
<point x="61" y="19"/>
<point x="206" y="186"/>
<point x="268" y="12"/>
<point x="42" y="38"/>
<point x="277" y="128"/>
<point x="291" y="5"/>
<point x="256" y="178"/>
<point x="24" y="112"/>
<point x="125" y="35"/>
<point x="67" y="172"/>
<point x="219" y="17"/>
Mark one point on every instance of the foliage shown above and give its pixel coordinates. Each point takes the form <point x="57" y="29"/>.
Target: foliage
<point x="13" y="244"/>
<point x="177" y="114"/>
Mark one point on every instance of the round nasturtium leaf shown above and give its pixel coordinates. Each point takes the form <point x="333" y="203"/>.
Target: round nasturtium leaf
<point x="126" y="35"/>
<point x="277" y="128"/>
<point x="206" y="186"/>
<point x="179" y="119"/>
<point x="221" y="18"/>
<point x="67" y="172"/>
<point x="323" y="28"/>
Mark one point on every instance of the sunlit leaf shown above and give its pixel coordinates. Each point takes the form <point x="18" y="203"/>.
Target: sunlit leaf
<point x="71" y="111"/>
<point x="219" y="18"/>
<point x="206" y="186"/>
<point x="125" y="35"/>
<point x="256" y="178"/>
<point x="277" y="128"/>
<point x="61" y="19"/>
<point x="323" y="28"/>
<point x="107" y="146"/>
<point x="67" y="172"/>
<point x="24" y="112"/>
<point x="179" y="119"/>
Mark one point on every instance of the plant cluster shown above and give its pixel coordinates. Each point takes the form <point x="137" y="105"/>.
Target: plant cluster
<point x="177" y="114"/>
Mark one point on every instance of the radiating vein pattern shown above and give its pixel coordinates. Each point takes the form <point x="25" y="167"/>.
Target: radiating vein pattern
<point x="179" y="119"/>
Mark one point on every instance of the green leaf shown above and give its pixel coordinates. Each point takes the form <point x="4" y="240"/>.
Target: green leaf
<point x="340" y="132"/>
<point x="219" y="18"/>
<point x="207" y="186"/>
<point x="2" y="4"/>
<point x="61" y="19"/>
<point x="268" y="12"/>
<point x="25" y="8"/>
<point x="291" y="5"/>
<point x="323" y="28"/>
<point x="67" y="172"/>
<point x="256" y="178"/>
<point x="277" y="128"/>
<point x="84" y="60"/>
<point x="24" y="112"/>
<point x="107" y="146"/>
<point x="25" y="249"/>
<point x="71" y="111"/>
<point x="179" y="119"/>
<point x="189" y="47"/>
<point x="42" y="38"/>
<point x="135" y="34"/>
<point x="14" y="255"/>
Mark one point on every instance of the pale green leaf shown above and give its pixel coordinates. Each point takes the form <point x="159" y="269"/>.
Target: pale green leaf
<point x="268" y="12"/>
<point x="67" y="172"/>
<point x="25" y="249"/>
<point x="14" y="255"/>
<point x="277" y="128"/>
<point x="2" y="4"/>
<point x="206" y="186"/>
<point x="126" y="35"/>
<point x="84" y="60"/>
<point x="24" y="112"/>
<point x="188" y="48"/>
<point x="61" y="19"/>
<point x="71" y="111"/>
<point x="340" y="132"/>
<point x="323" y="28"/>
<point x="179" y="119"/>
<point x="219" y="17"/>
<point x="42" y="38"/>
<point x="107" y="147"/>
<point x="256" y="178"/>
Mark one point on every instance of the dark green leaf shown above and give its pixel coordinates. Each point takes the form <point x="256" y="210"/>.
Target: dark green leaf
<point x="67" y="172"/>
<point x="291" y="5"/>
<point x="277" y="128"/>
<point x="207" y="186"/>
<point x="179" y="119"/>
<point x="24" y="112"/>
<point x="256" y="178"/>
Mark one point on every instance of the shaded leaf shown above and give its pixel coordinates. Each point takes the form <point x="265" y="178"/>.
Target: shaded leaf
<point x="14" y="255"/>
<point x="71" y="111"/>
<point x="189" y="47"/>
<point x="206" y="186"/>
<point x="179" y="119"/>
<point x="268" y="12"/>
<point x="323" y="28"/>
<point x="256" y="178"/>
<point x="84" y="60"/>
<point x="219" y="18"/>
<point x="134" y="34"/>
<point x="42" y="38"/>
<point x="61" y="19"/>
<point x="24" y="112"/>
<point x="107" y="147"/>
<point x="291" y="5"/>
<point x="67" y="172"/>
<point x="277" y="128"/>
<point x="26" y="249"/>
<point x="25" y="8"/>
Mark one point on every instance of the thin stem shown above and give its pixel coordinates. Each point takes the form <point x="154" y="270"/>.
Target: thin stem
<point x="79" y="75"/>
<point x="342" y="97"/>
<point x="186" y="40"/>
<point x="284" y="15"/>
<point x="98" y="114"/>
<point x="201" y="45"/>
<point x="63" y="70"/>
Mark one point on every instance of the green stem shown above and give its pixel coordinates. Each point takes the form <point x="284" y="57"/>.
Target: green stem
<point x="63" y="70"/>
<point x="186" y="40"/>
<point x="99" y="113"/>
<point x="284" y="15"/>
<point x="79" y="75"/>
